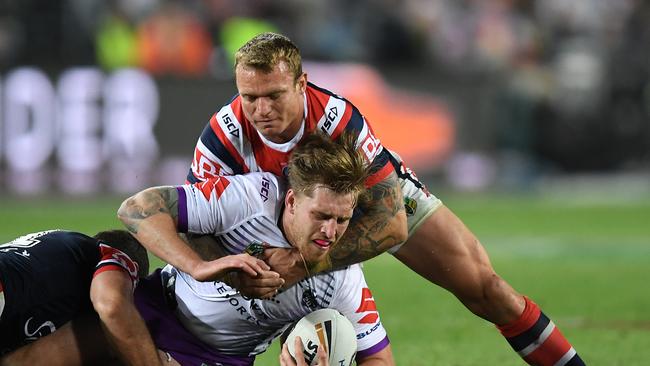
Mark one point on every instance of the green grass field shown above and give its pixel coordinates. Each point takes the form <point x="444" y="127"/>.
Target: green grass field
<point x="586" y="264"/>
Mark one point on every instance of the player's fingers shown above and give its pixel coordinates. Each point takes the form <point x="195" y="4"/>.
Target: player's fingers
<point x="250" y="269"/>
<point x="297" y="350"/>
<point x="285" y="357"/>
<point x="257" y="264"/>
<point x="322" y="356"/>
<point x="263" y="265"/>
<point x="261" y="283"/>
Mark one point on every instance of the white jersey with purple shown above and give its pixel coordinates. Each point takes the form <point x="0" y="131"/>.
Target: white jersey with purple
<point x="244" y="209"/>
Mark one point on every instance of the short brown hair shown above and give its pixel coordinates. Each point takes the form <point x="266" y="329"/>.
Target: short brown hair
<point x="266" y="50"/>
<point x="320" y="161"/>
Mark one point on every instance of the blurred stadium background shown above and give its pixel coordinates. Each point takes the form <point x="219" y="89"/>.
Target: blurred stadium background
<point x="530" y="119"/>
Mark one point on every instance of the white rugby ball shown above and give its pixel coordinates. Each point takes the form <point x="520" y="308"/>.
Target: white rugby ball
<point x="329" y="328"/>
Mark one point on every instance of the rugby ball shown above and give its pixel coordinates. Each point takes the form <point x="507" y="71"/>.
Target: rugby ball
<point x="329" y="328"/>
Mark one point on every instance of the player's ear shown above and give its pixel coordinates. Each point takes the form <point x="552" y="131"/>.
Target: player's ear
<point x="302" y="83"/>
<point x="290" y="201"/>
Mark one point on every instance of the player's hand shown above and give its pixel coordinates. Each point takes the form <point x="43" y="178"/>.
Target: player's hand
<point x="287" y="262"/>
<point x="218" y="268"/>
<point x="263" y="286"/>
<point x="287" y="360"/>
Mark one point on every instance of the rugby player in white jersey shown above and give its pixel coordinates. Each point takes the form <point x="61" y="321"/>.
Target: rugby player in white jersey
<point x="211" y="322"/>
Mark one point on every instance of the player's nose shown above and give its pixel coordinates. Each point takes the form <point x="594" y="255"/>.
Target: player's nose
<point x="263" y="106"/>
<point x="329" y="229"/>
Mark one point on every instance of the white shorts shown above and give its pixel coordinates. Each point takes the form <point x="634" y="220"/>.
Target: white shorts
<point x="418" y="201"/>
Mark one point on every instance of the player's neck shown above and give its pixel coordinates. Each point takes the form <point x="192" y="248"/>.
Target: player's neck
<point x="283" y="224"/>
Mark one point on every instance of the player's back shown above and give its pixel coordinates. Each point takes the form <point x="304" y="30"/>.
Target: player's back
<point x="46" y="279"/>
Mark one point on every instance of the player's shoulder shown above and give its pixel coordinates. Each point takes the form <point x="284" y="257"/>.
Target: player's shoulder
<point x="332" y="113"/>
<point x="320" y="97"/>
<point x="54" y="235"/>
<point x="263" y="186"/>
<point x="259" y="180"/>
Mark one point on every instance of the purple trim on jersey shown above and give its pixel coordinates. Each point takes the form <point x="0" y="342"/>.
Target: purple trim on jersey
<point x="182" y="210"/>
<point x="374" y="349"/>
<point x="169" y="334"/>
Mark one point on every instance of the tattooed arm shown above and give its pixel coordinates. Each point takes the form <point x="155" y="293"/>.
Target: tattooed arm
<point x="381" y="226"/>
<point x="152" y="217"/>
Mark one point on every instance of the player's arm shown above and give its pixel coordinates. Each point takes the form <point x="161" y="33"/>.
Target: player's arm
<point x="381" y="358"/>
<point x="152" y="217"/>
<point x="111" y="293"/>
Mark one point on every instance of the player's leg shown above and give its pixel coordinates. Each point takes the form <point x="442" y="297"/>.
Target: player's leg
<point x="443" y="250"/>
<point x="446" y="253"/>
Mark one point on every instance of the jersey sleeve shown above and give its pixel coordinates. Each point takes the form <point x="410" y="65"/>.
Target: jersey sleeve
<point x="222" y="148"/>
<point x="219" y="204"/>
<point x="354" y="300"/>
<point x="377" y="156"/>
<point x="112" y="259"/>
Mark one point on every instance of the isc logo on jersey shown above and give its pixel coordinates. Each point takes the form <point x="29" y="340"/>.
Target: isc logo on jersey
<point x="264" y="190"/>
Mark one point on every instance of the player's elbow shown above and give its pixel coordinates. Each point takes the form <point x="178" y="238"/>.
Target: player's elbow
<point x="123" y="211"/>
<point x="131" y="210"/>
<point x="109" y="305"/>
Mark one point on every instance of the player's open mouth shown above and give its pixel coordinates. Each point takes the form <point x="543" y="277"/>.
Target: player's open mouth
<point x="322" y="243"/>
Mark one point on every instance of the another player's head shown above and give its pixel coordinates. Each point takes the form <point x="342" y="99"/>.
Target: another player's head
<point x="326" y="180"/>
<point x="270" y="80"/>
<point x="125" y="242"/>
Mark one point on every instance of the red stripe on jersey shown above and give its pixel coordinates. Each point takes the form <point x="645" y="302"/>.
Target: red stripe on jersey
<point x="367" y="301"/>
<point x="344" y="121"/>
<point x="114" y="260"/>
<point x="369" y="319"/>
<point x="216" y="184"/>
<point x="316" y="102"/>
<point x="108" y="267"/>
<point x="216" y="128"/>
<point x="551" y="351"/>
<point x="379" y="175"/>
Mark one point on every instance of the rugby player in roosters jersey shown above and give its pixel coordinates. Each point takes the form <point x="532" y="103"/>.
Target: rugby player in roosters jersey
<point x="53" y="284"/>
<point x="274" y="109"/>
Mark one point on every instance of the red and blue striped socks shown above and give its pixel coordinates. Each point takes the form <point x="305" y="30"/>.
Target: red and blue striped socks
<point x="538" y="341"/>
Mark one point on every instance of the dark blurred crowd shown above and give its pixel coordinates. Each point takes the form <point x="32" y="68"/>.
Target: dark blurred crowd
<point x="565" y="82"/>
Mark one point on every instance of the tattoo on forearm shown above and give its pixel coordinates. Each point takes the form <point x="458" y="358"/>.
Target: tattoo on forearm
<point x="366" y="236"/>
<point x="146" y="204"/>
